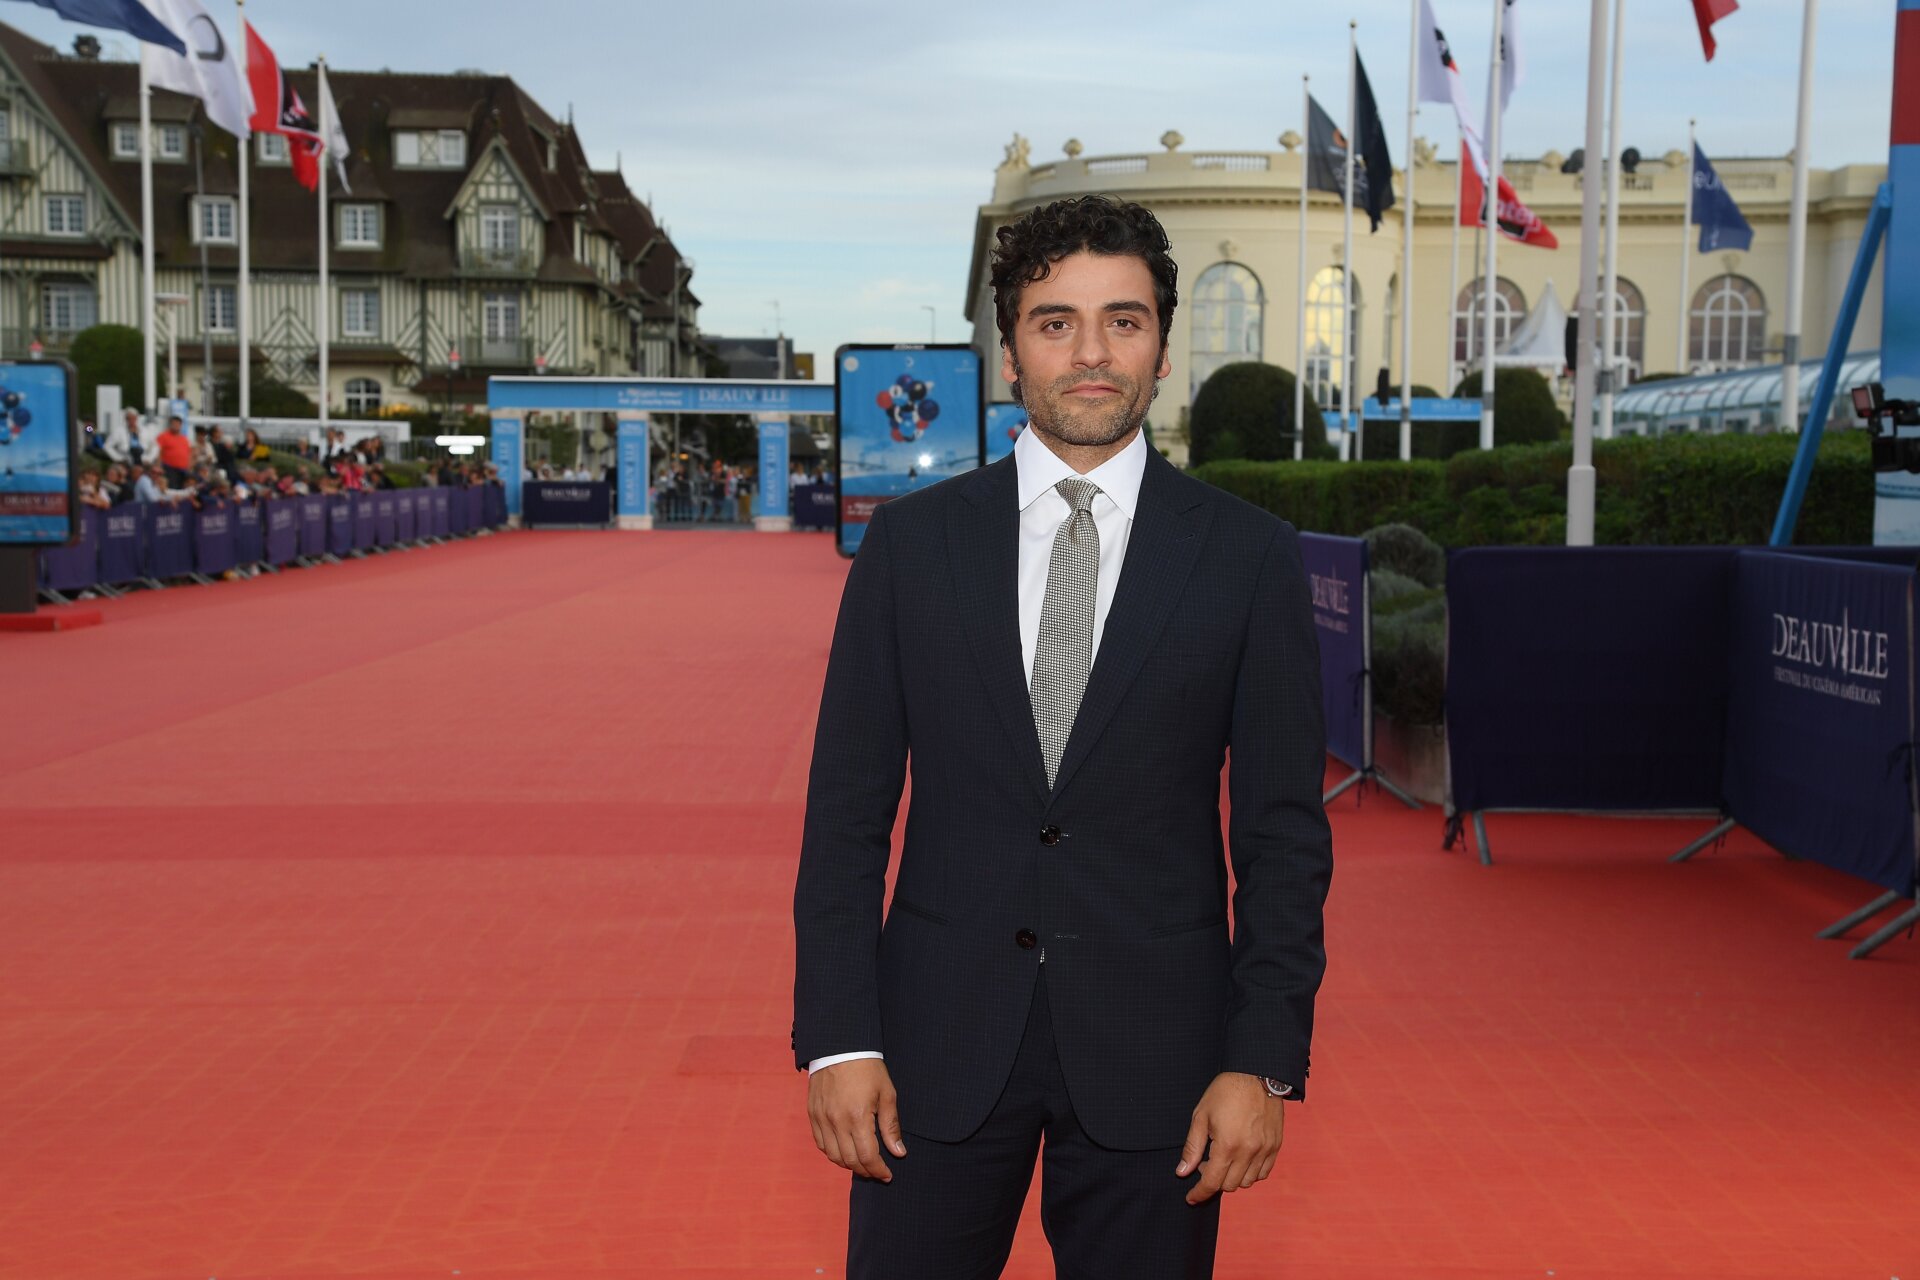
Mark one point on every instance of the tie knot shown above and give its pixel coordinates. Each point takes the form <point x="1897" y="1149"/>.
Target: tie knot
<point x="1078" y="493"/>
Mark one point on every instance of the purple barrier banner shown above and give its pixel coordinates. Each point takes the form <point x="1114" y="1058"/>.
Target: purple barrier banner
<point x="495" y="506"/>
<point x="442" y="512"/>
<point x="1820" y="713"/>
<point x="249" y="533"/>
<point x="213" y="544"/>
<point x="456" y="511"/>
<point x="71" y="568"/>
<point x="363" y="521"/>
<point x="313" y="525"/>
<point x="123" y="543"/>
<point x="477" y="507"/>
<point x="1337" y="576"/>
<point x="283" y="531"/>
<point x="169" y="540"/>
<point x="403" y="516"/>
<point x="383" y="519"/>
<point x="339" y="524"/>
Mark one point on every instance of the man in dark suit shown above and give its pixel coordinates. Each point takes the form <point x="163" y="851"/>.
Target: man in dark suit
<point x="1065" y="645"/>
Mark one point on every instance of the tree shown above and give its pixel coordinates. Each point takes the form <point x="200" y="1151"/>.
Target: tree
<point x="1245" y="410"/>
<point x="109" y="355"/>
<point x="268" y="398"/>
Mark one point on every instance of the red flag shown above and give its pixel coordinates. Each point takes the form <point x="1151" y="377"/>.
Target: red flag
<point x="1517" y="222"/>
<point x="1708" y="12"/>
<point x="278" y="109"/>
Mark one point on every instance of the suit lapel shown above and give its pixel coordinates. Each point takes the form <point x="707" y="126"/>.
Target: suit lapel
<point x="983" y="551"/>
<point x="1167" y="531"/>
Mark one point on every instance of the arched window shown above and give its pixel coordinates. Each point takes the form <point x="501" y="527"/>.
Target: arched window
<point x="1470" y="319"/>
<point x="1728" y="325"/>
<point x="1629" y="331"/>
<point x="1228" y="307"/>
<point x="363" y="396"/>
<point x="1328" y="340"/>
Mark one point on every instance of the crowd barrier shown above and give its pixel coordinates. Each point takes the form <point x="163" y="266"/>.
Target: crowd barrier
<point x="813" y="505"/>
<point x="1772" y="690"/>
<point x="148" y="543"/>
<point x="571" y="504"/>
<point x="1343" y="624"/>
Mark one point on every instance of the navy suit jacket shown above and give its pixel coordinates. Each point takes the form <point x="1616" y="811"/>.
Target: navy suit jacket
<point x="1116" y="874"/>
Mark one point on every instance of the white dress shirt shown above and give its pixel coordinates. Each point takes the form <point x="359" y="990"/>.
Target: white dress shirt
<point x="1043" y="509"/>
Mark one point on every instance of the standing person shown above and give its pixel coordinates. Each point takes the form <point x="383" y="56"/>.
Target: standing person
<point x="1056" y="963"/>
<point x="223" y="455"/>
<point x="176" y="453"/>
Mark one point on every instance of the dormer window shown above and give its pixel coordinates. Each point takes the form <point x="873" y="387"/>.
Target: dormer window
<point x="271" y="148"/>
<point x="214" y="220"/>
<point x="360" y="226"/>
<point x="126" y="141"/>
<point x="170" y="141"/>
<point x="430" y="149"/>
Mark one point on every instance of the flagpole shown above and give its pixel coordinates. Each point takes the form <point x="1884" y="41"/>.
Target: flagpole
<point x="1300" y="279"/>
<point x="1609" y="373"/>
<point x="244" y="300"/>
<point x="1453" y="285"/>
<point x="1797" y="228"/>
<point x="1350" y="446"/>
<point x="151" y="351"/>
<point x="323" y="311"/>
<point x="1490" y="218"/>
<point x="1580" y="484"/>
<point x="1406" y="266"/>
<point x="1686" y="259"/>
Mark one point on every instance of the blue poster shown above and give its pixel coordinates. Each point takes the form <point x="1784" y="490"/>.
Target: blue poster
<point x="1005" y="422"/>
<point x="1337" y="578"/>
<point x="905" y="417"/>
<point x="37" y="503"/>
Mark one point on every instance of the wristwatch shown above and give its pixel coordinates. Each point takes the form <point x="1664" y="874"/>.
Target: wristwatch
<point x="1277" y="1088"/>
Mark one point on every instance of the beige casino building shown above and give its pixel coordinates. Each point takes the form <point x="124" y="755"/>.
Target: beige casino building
<point x="1233" y="218"/>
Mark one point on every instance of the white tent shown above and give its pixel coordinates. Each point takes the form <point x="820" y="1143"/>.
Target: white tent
<point x="1541" y="340"/>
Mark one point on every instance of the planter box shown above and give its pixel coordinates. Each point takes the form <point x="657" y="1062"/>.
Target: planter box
<point x="1413" y="755"/>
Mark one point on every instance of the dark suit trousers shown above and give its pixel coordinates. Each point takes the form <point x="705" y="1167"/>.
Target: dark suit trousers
<point x="951" y="1209"/>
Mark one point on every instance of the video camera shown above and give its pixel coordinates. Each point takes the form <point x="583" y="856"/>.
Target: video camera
<point x="1893" y="449"/>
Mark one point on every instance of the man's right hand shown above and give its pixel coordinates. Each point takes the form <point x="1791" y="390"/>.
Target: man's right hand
<point x="846" y="1104"/>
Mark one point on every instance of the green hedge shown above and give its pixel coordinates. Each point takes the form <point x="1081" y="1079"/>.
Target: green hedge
<point x="1245" y="410"/>
<point x="1664" y="491"/>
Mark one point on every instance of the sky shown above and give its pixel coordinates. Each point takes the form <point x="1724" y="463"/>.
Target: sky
<point x="829" y="157"/>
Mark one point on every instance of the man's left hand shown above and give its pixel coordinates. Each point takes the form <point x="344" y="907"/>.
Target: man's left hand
<point x="1246" y="1127"/>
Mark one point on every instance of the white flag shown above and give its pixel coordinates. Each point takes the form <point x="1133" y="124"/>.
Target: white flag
<point x="1512" y="65"/>
<point x="1440" y="82"/>
<point x="336" y="137"/>
<point x="209" y="71"/>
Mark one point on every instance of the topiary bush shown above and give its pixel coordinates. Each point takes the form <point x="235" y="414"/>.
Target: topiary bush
<point x="1245" y="410"/>
<point x="1405" y="550"/>
<point x="1410" y="662"/>
<point x="110" y="355"/>
<point x="1523" y="409"/>
<point x="1387" y="588"/>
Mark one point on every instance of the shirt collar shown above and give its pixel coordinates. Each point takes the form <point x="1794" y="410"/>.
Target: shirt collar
<point x="1040" y="469"/>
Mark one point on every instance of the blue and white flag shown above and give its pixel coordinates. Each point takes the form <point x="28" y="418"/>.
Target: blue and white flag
<point x="129" y="16"/>
<point x="1722" y="226"/>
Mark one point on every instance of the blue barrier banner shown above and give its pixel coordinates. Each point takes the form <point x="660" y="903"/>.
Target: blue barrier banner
<point x="442" y="512"/>
<point x="283" y="531"/>
<point x="313" y="525"/>
<point x="213" y="542"/>
<point x="477" y="507"/>
<point x="249" y="534"/>
<point x="550" y="502"/>
<point x="384" y="520"/>
<point x="494" y="506"/>
<point x="363" y="521"/>
<point x="123" y="545"/>
<point x="76" y="566"/>
<point x="1820" y="714"/>
<point x="633" y="475"/>
<point x="169" y="540"/>
<point x="403" y="516"/>
<point x="1337" y="575"/>
<point x="339" y="524"/>
<point x="1587" y="677"/>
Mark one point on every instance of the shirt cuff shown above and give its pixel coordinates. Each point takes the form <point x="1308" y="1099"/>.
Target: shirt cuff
<point x="818" y="1063"/>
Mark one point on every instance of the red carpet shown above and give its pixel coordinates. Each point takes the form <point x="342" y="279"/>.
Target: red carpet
<point x="430" y="916"/>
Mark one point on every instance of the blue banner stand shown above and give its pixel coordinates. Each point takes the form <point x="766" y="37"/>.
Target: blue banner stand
<point x="770" y="511"/>
<point x="509" y="456"/>
<point x="631" y="461"/>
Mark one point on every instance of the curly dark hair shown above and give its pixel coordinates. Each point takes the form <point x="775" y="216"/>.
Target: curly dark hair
<point x="1028" y="247"/>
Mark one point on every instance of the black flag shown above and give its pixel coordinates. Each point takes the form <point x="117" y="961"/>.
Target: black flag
<point x="1327" y="155"/>
<point x="1377" y="196"/>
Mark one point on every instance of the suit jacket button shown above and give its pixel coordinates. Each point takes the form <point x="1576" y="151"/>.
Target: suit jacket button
<point x="1026" y="939"/>
<point x="1049" y="835"/>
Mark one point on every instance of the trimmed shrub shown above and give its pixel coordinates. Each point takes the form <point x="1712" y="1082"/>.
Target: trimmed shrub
<point x="1410" y="663"/>
<point x="268" y="397"/>
<point x="109" y="355"/>
<point x="1334" y="497"/>
<point x="1387" y="588"/>
<point x="1245" y="410"/>
<point x="1524" y="411"/>
<point x="1405" y="550"/>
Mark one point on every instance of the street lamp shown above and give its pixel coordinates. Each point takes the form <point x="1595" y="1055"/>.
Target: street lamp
<point x="453" y="368"/>
<point x="173" y="347"/>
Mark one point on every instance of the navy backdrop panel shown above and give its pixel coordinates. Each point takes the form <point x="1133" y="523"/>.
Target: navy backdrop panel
<point x="169" y="540"/>
<point x="403" y="516"/>
<point x="70" y="568"/>
<point x="477" y="507"/>
<point x="565" y="502"/>
<point x="1820" y="721"/>
<point x="456" y="512"/>
<point x="249" y="533"/>
<point x="813" y="506"/>
<point x="1337" y="574"/>
<point x="1588" y="677"/>
<point x="313" y="525"/>
<point x="494" y="505"/>
<point x="283" y="531"/>
<point x="123" y="545"/>
<point x="363" y="521"/>
<point x="339" y="524"/>
<point x="385" y="526"/>
<point x="213" y="541"/>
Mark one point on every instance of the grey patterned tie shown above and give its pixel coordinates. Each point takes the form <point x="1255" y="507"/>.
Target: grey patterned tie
<point x="1064" y="652"/>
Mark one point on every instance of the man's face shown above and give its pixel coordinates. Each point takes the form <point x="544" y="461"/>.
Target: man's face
<point x="1086" y="350"/>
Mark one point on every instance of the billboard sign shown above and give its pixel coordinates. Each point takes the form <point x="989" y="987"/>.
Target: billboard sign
<point x="905" y="417"/>
<point x="39" y="455"/>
